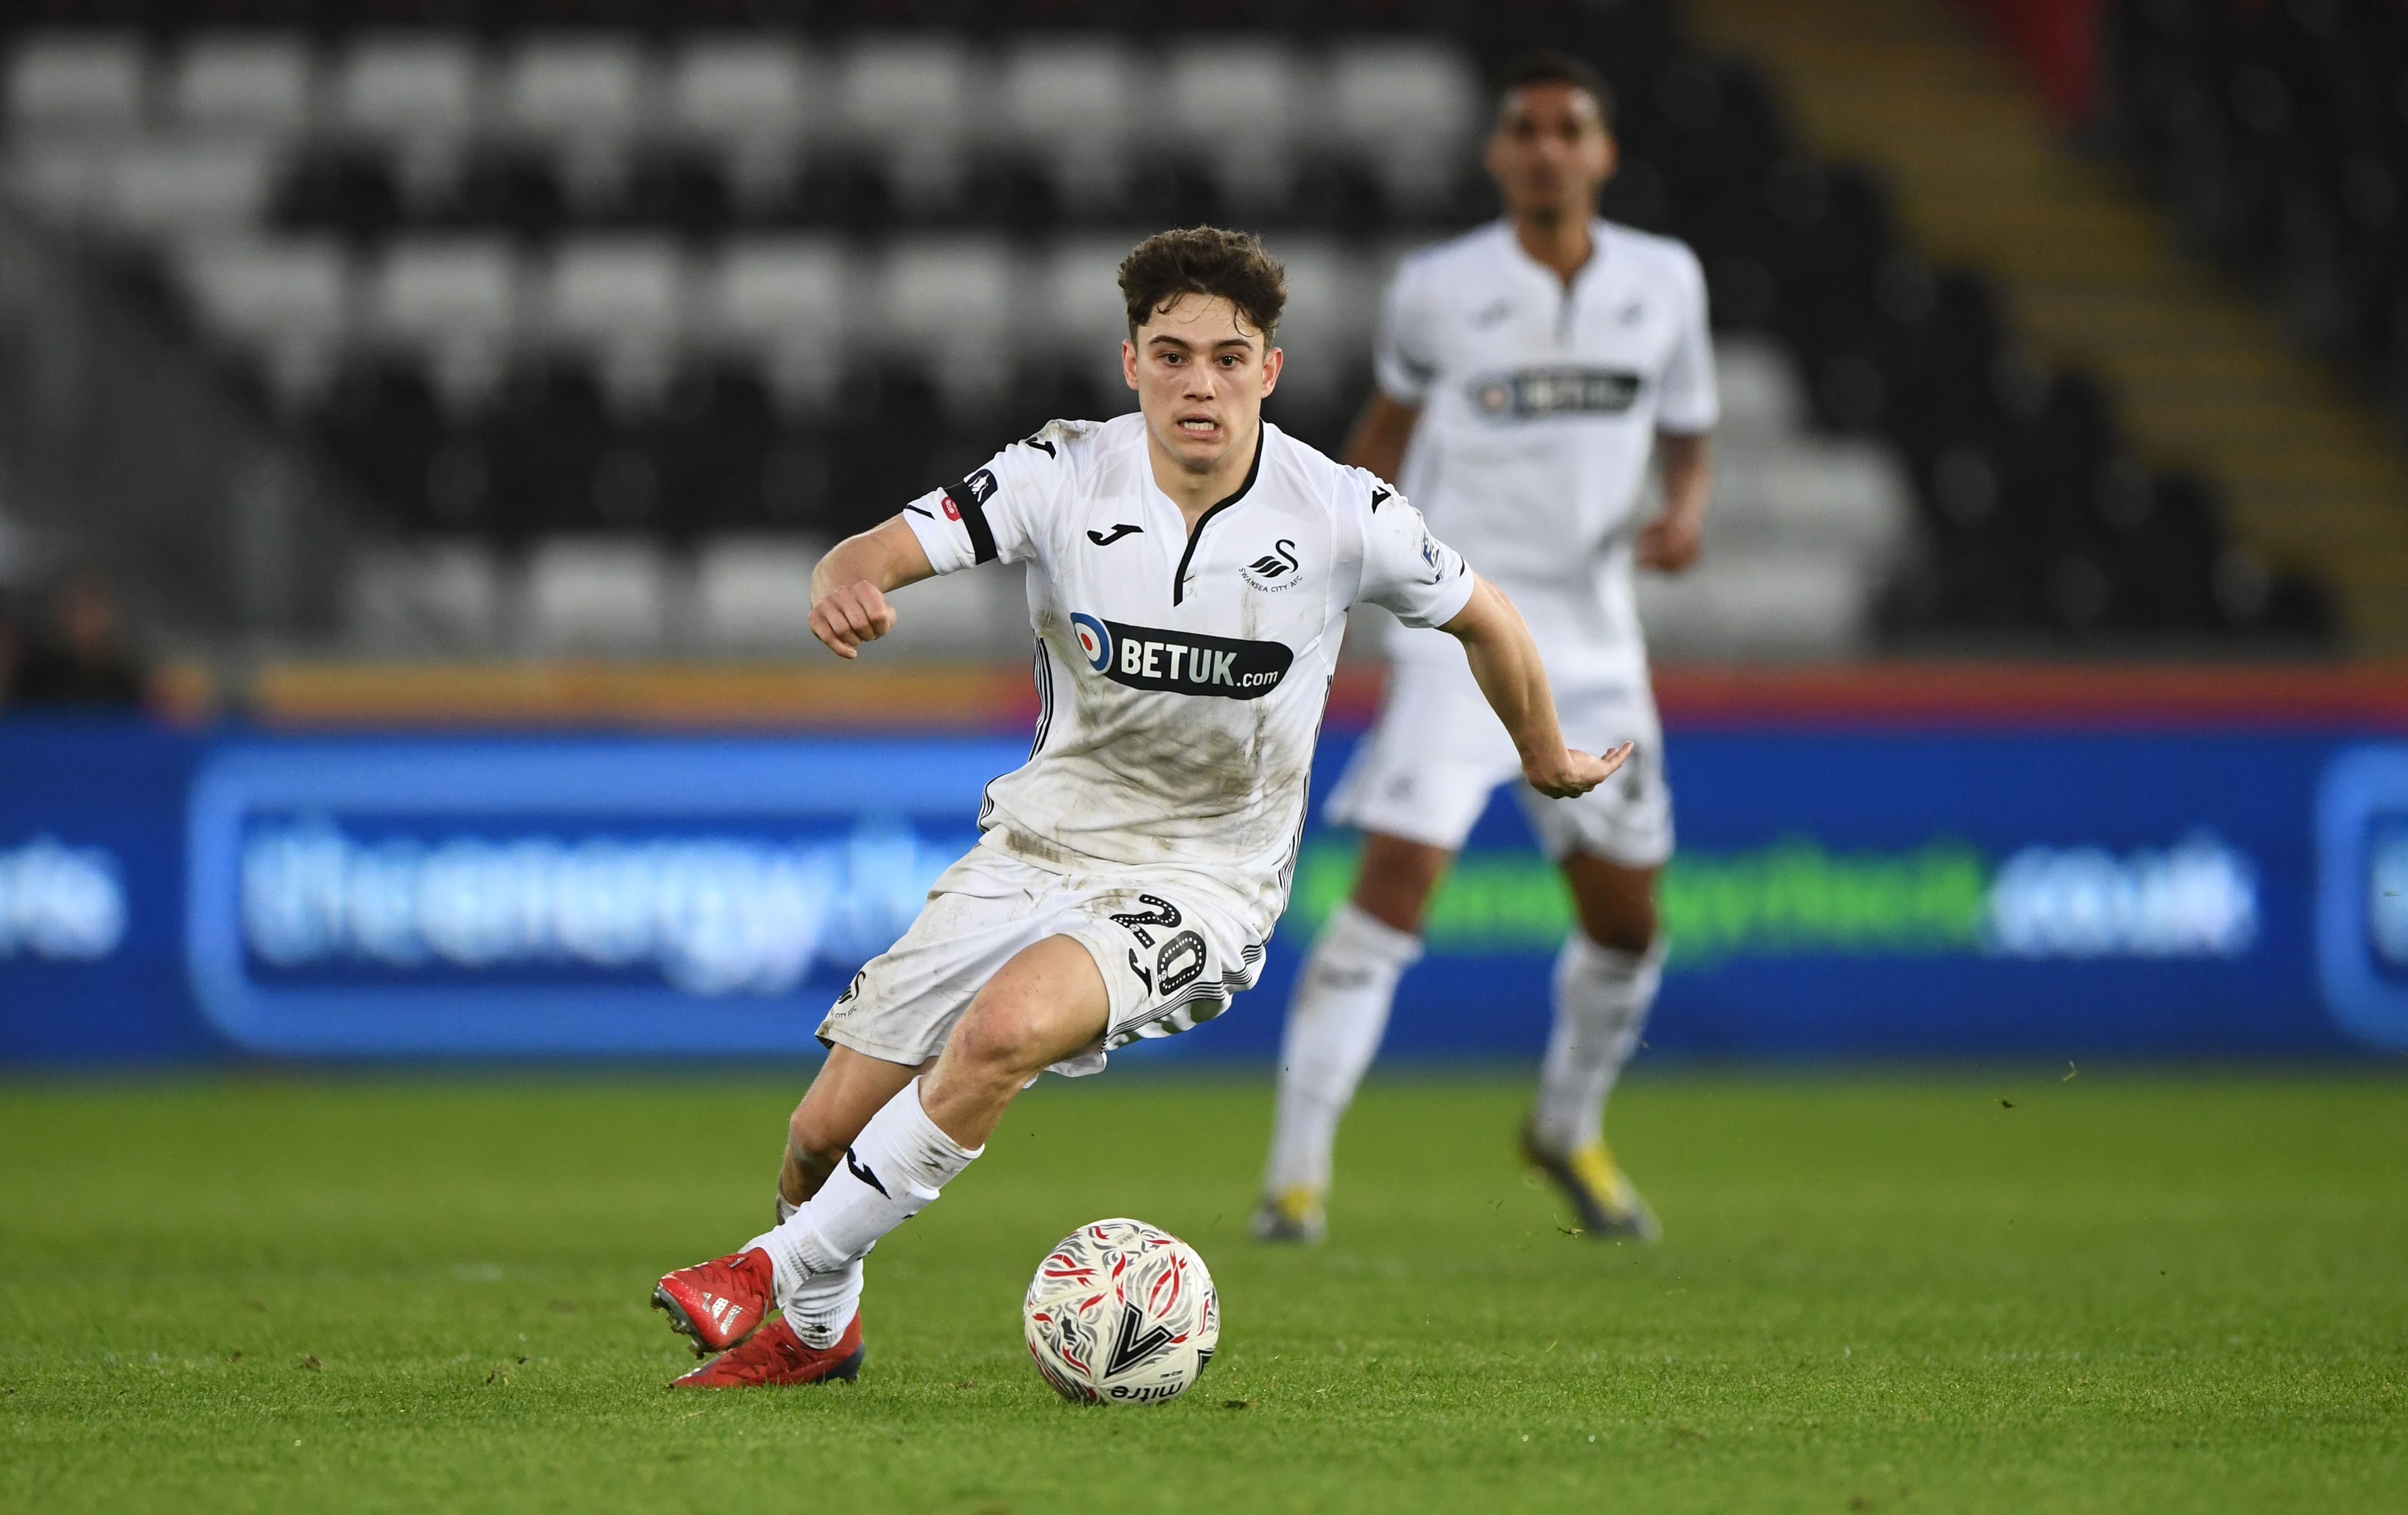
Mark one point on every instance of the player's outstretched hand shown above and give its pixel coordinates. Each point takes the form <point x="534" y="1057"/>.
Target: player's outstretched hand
<point x="848" y="617"/>
<point x="1669" y="543"/>
<point x="1575" y="772"/>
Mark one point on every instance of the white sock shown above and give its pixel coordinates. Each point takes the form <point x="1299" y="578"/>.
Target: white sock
<point x="823" y="1305"/>
<point x="1602" y="997"/>
<point x="786" y="1207"/>
<point x="1334" y="1024"/>
<point x="891" y="1172"/>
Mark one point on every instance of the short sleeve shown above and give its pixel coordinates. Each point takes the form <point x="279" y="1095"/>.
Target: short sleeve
<point x="1406" y="571"/>
<point x="1686" y="404"/>
<point x="994" y="513"/>
<point x="1404" y="360"/>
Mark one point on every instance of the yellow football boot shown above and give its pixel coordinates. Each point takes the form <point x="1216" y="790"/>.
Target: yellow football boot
<point x="1609" y="1204"/>
<point x="1294" y="1215"/>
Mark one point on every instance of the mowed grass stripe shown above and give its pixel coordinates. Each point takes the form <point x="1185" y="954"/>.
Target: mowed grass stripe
<point x="1890" y="1291"/>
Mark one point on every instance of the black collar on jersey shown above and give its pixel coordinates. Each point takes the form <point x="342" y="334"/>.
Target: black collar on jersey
<point x="1179" y="578"/>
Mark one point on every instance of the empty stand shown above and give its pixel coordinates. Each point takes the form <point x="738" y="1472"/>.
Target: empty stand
<point x="608" y="311"/>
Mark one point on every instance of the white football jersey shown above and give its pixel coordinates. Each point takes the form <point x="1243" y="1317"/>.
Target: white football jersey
<point x="1181" y="676"/>
<point x="1540" y="405"/>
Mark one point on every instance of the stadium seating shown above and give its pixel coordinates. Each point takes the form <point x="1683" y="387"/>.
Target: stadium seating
<point x="543" y="270"/>
<point x="2278" y="135"/>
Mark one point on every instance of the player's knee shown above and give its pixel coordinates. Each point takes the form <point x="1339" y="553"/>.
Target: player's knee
<point x="813" y="1149"/>
<point x="1004" y="1038"/>
<point x="1626" y="925"/>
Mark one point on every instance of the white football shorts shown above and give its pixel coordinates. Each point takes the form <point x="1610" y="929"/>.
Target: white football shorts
<point x="1425" y="769"/>
<point x="1172" y="954"/>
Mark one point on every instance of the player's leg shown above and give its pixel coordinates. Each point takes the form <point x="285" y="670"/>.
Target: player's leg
<point x="1334" y="1020"/>
<point x="1414" y="789"/>
<point x="721" y="1303"/>
<point x="851" y="1088"/>
<point x="1045" y="1005"/>
<point x="1610" y="845"/>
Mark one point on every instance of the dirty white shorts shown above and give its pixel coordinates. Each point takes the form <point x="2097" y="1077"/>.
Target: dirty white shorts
<point x="1171" y="953"/>
<point x="1425" y="770"/>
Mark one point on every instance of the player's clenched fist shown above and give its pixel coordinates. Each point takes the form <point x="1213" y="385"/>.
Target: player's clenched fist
<point x="848" y="615"/>
<point x="1576" y="773"/>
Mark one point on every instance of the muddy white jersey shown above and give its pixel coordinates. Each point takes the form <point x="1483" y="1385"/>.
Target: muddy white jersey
<point x="1180" y="675"/>
<point x="1539" y="405"/>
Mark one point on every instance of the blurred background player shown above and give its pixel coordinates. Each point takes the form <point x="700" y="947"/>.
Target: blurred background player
<point x="1526" y="370"/>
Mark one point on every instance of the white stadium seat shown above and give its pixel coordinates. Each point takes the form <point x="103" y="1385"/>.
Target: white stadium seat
<point x="165" y="189"/>
<point x="751" y="100"/>
<point x="455" y="301"/>
<point x="622" y="300"/>
<point x="1758" y="385"/>
<point x="1786" y="606"/>
<point x="980" y="615"/>
<point x="575" y="90"/>
<point x="755" y="593"/>
<point x="1243" y="101"/>
<point x="1332" y="305"/>
<point x="77" y="83"/>
<point x="433" y="287"/>
<point x="773" y="293"/>
<point x="269" y="291"/>
<point x="1068" y="101"/>
<point x="910" y="90"/>
<point x="1411" y="109"/>
<point x="409" y="87"/>
<point x="1078" y="292"/>
<point x="67" y="181"/>
<point x="242" y="84"/>
<point x="737" y="90"/>
<point x="609" y="290"/>
<point x="1077" y="301"/>
<point x="288" y="301"/>
<point x="1804" y="530"/>
<point x="597" y="594"/>
<point x="425" y="596"/>
<point x="949" y="301"/>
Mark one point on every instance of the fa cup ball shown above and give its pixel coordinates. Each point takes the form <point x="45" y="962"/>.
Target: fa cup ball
<point x="1121" y="1313"/>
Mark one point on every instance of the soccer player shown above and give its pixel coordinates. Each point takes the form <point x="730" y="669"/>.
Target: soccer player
<point x="1526" y="370"/>
<point x="1190" y="573"/>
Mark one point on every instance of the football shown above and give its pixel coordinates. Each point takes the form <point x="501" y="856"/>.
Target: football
<point x="1121" y="1313"/>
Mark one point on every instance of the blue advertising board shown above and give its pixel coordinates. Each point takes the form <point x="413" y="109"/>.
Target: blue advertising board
<point x="170" y="897"/>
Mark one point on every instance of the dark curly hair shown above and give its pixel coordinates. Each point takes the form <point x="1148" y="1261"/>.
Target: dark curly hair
<point x="1204" y="260"/>
<point x="1547" y="66"/>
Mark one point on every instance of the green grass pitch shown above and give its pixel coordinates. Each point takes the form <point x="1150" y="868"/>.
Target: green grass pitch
<point x="2119" y="1293"/>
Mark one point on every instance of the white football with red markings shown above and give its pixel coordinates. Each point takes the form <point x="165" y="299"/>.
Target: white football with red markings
<point x="1121" y="1313"/>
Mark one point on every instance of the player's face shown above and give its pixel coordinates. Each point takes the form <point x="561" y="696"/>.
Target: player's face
<point x="1551" y="152"/>
<point x="1200" y="371"/>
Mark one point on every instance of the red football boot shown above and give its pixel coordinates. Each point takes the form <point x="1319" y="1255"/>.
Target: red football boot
<point x="778" y="1356"/>
<point x="721" y="1303"/>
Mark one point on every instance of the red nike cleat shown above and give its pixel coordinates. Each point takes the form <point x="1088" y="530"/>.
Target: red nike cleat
<point x="776" y="1356"/>
<point x="719" y="1302"/>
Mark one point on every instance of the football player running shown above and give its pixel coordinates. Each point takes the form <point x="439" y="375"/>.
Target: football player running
<point x="1525" y="372"/>
<point x="1190" y="571"/>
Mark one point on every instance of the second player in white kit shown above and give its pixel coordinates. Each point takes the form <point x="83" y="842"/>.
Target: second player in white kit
<point x="1535" y="365"/>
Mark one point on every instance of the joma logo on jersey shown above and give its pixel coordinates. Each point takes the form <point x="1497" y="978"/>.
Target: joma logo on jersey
<point x="1535" y="392"/>
<point x="1267" y="573"/>
<point x="1181" y="662"/>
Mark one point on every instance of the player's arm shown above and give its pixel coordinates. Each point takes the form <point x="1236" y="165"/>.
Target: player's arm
<point x="1378" y="441"/>
<point x="1670" y="541"/>
<point x="1505" y="661"/>
<point x="849" y="588"/>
